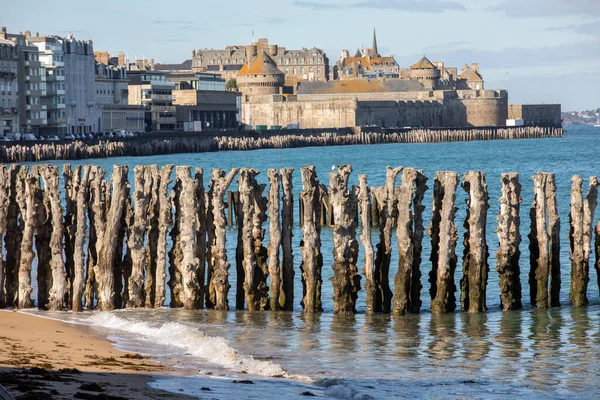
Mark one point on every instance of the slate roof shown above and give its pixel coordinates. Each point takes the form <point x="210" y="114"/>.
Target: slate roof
<point x="360" y="86"/>
<point x="186" y="65"/>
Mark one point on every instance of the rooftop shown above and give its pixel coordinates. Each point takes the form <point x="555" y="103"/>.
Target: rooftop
<point x="263" y="65"/>
<point x="423" y="63"/>
<point x="359" y="86"/>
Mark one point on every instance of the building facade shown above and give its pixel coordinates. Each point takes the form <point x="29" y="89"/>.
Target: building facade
<point x="31" y="83"/>
<point x="9" y="86"/>
<point x="366" y="63"/>
<point x="201" y="98"/>
<point x="154" y="92"/>
<point x="52" y="59"/>
<point x="80" y="70"/>
<point x="386" y="103"/>
<point x="112" y="101"/>
<point x="537" y="114"/>
<point x="297" y="65"/>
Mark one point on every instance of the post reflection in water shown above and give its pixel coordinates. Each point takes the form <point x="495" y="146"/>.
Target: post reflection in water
<point x="476" y="332"/>
<point x="407" y="336"/>
<point x="442" y="337"/>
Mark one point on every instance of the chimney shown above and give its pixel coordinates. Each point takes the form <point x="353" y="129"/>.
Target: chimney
<point x="475" y="67"/>
<point x="28" y="33"/>
<point x="37" y="34"/>
<point x="121" y="59"/>
<point x="3" y="34"/>
<point x="193" y="53"/>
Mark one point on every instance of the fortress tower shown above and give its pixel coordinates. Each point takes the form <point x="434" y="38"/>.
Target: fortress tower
<point x="261" y="77"/>
<point x="426" y="73"/>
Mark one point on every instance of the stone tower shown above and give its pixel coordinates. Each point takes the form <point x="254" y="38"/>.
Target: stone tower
<point x="261" y="77"/>
<point x="426" y="73"/>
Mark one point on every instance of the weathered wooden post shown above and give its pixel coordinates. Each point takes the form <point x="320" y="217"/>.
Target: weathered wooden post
<point x="201" y="236"/>
<point x="246" y="187"/>
<point x="188" y="235"/>
<point x="364" y="202"/>
<point x="218" y="286"/>
<point x="509" y="237"/>
<point x="475" y="258"/>
<point x="345" y="279"/>
<point x="12" y="240"/>
<point x="153" y="229"/>
<point x="274" y="239"/>
<point x="165" y="220"/>
<point x="175" y="254"/>
<point x="544" y="245"/>
<point x="43" y="233"/>
<point x="386" y="201"/>
<point x="4" y="201"/>
<point x="287" y="225"/>
<point x="580" y="238"/>
<point x="26" y="200"/>
<point x="135" y="242"/>
<point x="409" y="234"/>
<point x="71" y="181"/>
<point x="82" y="189"/>
<point x="312" y="259"/>
<point x="106" y="256"/>
<point x="443" y="243"/>
<point x="97" y="216"/>
<point x="56" y="300"/>
<point x="260" y="252"/>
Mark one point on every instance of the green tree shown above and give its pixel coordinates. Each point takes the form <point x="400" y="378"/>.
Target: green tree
<point x="231" y="85"/>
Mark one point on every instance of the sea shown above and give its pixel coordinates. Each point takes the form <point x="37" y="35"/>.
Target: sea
<point x="530" y="353"/>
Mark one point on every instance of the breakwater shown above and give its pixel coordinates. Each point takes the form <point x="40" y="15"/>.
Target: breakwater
<point x="77" y="150"/>
<point x="105" y="245"/>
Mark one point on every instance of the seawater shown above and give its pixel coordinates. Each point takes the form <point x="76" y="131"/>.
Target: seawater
<point x="496" y="354"/>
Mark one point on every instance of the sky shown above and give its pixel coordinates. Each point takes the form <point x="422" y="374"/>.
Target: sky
<point x="541" y="51"/>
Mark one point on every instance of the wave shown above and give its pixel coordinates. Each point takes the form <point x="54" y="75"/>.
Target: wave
<point x="190" y="342"/>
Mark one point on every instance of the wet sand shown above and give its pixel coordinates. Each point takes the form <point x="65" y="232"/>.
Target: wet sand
<point x="62" y="362"/>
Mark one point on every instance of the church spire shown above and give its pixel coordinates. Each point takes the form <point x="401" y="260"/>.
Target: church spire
<point x="375" y="52"/>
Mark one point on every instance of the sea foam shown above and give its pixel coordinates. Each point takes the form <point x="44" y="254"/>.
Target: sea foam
<point x="189" y="341"/>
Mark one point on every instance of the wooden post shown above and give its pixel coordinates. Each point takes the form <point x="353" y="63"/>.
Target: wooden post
<point x="312" y="259"/>
<point x="287" y="225"/>
<point x="345" y="279"/>
<point x="580" y="237"/>
<point x="509" y="237"/>
<point x="274" y="239"/>
<point x="475" y="264"/>
<point x="443" y="243"/>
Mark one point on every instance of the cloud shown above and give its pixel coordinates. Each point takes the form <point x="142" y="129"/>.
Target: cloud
<point x="512" y="57"/>
<point x="316" y="5"/>
<point x="425" y="6"/>
<point x="590" y="29"/>
<point x="454" y="45"/>
<point x="172" y="22"/>
<point x="276" y="20"/>
<point x="547" y="8"/>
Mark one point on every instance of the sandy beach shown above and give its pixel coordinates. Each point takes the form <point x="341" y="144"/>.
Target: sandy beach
<point x="58" y="361"/>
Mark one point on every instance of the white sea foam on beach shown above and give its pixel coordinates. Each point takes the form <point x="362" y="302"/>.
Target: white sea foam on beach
<point x="191" y="342"/>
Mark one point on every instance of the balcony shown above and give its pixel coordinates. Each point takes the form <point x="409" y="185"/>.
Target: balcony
<point x="156" y="109"/>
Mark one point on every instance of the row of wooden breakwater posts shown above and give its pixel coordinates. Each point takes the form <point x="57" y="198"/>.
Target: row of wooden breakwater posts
<point x="196" y="144"/>
<point x="105" y="246"/>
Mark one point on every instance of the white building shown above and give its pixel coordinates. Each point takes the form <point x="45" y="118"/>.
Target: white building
<point x="51" y="57"/>
<point x="80" y="85"/>
<point x="9" y="92"/>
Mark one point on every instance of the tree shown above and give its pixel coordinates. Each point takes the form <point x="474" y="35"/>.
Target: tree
<point x="231" y="85"/>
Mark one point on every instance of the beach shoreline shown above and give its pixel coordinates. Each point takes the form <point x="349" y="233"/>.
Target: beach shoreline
<point x="39" y="354"/>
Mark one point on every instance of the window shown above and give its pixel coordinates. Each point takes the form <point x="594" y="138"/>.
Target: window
<point x="294" y="61"/>
<point x="310" y="69"/>
<point x="301" y="70"/>
<point x="294" y="70"/>
<point x="318" y="70"/>
<point x="287" y="70"/>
